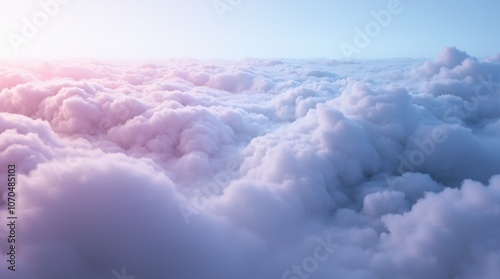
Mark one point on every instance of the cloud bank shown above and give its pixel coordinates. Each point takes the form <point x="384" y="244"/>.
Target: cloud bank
<point x="254" y="169"/>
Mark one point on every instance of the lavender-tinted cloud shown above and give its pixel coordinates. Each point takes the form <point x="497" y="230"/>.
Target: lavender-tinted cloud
<point x="396" y="161"/>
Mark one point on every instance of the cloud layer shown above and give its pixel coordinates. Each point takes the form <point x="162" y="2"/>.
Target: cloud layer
<point x="254" y="169"/>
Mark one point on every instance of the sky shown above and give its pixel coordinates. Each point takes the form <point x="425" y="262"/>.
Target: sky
<point x="234" y="29"/>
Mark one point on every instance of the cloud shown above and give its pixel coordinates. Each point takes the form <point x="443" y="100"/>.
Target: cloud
<point x="449" y="234"/>
<point x="254" y="168"/>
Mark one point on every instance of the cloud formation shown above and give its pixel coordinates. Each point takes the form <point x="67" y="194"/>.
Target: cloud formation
<point x="254" y="169"/>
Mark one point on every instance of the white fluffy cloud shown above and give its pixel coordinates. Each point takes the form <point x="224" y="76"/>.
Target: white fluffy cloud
<point x="254" y="169"/>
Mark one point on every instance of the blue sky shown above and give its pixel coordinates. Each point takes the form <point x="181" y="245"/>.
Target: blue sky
<point x="132" y="29"/>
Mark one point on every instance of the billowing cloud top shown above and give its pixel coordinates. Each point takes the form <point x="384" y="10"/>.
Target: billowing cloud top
<point x="253" y="169"/>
